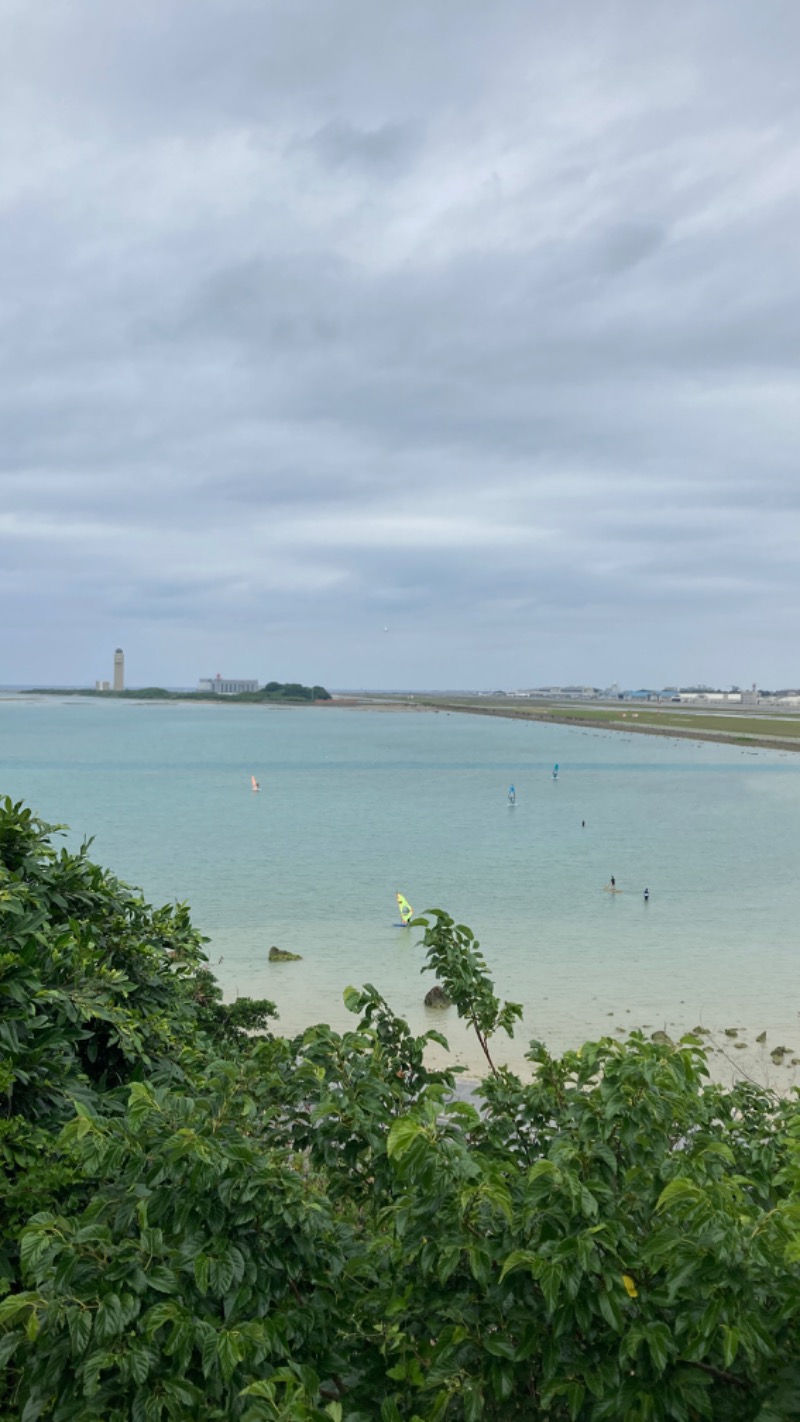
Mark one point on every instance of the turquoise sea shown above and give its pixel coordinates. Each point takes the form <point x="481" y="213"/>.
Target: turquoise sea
<point x="355" y="805"/>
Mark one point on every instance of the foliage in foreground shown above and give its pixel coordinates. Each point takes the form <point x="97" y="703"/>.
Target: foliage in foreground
<point x="203" y="1222"/>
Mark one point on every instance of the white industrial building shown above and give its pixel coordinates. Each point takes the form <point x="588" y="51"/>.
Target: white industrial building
<point x="226" y="685"/>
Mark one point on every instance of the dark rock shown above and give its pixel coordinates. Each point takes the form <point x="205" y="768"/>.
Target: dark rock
<point x="762" y="1037"/>
<point x="662" y="1038"/>
<point x="437" y="997"/>
<point x="731" y="1031"/>
<point x="280" y="955"/>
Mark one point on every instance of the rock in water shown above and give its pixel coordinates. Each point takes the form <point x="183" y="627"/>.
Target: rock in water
<point x="279" y="955"/>
<point x="762" y="1037"/>
<point x="437" y="997"/>
<point x="661" y="1037"/>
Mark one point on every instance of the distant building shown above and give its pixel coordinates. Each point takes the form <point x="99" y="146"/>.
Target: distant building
<point x="711" y="698"/>
<point x="227" y="686"/>
<point x="119" y="670"/>
<point x="102" y="686"/>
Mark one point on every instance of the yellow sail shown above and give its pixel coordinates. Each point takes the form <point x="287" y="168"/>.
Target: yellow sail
<point x="406" y="911"/>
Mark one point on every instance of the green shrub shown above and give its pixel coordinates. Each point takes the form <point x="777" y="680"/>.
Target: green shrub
<point x="204" y="1220"/>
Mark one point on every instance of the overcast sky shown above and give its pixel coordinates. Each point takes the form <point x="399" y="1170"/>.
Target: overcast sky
<point x="400" y="345"/>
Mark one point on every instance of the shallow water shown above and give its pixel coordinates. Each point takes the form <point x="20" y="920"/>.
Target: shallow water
<point x="355" y="805"/>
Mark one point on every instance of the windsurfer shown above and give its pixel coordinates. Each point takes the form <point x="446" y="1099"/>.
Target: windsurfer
<point x="406" y="911"/>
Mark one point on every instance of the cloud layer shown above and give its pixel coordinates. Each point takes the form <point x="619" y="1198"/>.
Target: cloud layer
<point x="479" y="324"/>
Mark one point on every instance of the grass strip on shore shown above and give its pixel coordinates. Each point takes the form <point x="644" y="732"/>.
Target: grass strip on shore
<point x="768" y="732"/>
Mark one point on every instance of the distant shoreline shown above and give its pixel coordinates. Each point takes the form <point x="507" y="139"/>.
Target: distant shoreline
<point x="291" y="694"/>
<point x="560" y="717"/>
<point x="375" y="704"/>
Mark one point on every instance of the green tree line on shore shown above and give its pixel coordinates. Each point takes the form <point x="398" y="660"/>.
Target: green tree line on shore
<point x="290" y="691"/>
<point x="203" y="1219"/>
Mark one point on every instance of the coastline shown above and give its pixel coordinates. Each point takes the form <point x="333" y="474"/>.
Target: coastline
<point x="375" y="705"/>
<point x="740" y="738"/>
<point x="733" y="1053"/>
<point x="563" y="1018"/>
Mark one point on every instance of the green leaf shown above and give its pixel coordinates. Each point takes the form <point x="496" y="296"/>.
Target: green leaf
<point x="575" y="1394"/>
<point x="519" y="1259"/>
<point x="499" y="1346"/>
<point x="472" y="1402"/>
<point x="447" y="1263"/>
<point x="221" y="1275"/>
<point x="610" y="1310"/>
<point x="230" y="1351"/>
<point x="160" y="1314"/>
<point x="8" y="1346"/>
<point x="731" y="1338"/>
<point x="678" y="1191"/>
<point x="109" y="1321"/>
<point x="549" y="1276"/>
<point x="163" y="1279"/>
<point x="143" y="1359"/>
<point x="502" y="1378"/>
<point x="79" y="1321"/>
<point x="658" y="1338"/>
<point x="402" y="1135"/>
<point x="201" y="1272"/>
<point x="260" y="1388"/>
<point x="208" y="1349"/>
<point x="13" y="1307"/>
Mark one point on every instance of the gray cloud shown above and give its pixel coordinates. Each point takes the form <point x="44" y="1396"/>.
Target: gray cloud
<point x="476" y="322"/>
<point x="389" y="148"/>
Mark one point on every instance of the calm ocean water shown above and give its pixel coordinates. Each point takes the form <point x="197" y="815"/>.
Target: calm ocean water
<point x="355" y="805"/>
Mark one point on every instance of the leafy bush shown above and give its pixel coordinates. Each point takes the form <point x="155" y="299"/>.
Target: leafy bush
<point x="205" y="1220"/>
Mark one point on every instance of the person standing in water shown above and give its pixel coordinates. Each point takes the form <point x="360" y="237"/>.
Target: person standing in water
<point x="613" y="882"/>
<point x="647" y="896"/>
